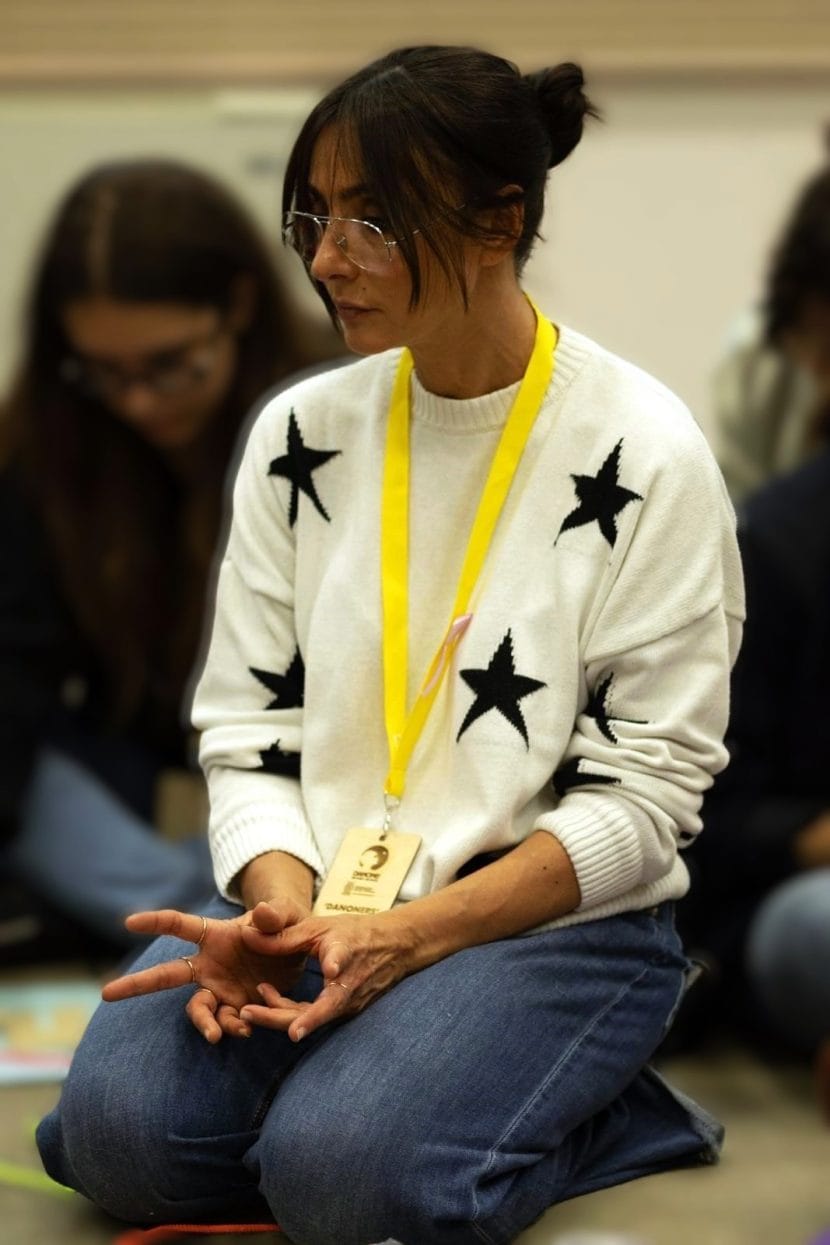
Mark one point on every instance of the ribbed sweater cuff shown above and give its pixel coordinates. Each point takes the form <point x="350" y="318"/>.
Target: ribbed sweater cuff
<point x="260" y="829"/>
<point x="602" y="842"/>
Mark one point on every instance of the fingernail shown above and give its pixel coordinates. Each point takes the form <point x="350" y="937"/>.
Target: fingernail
<point x="300" y="1035"/>
<point x="243" y="1015"/>
<point x="245" y="1032"/>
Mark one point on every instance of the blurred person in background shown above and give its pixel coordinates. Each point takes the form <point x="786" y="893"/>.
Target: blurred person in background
<point x="774" y="378"/>
<point x="474" y="1041"/>
<point x="759" y="908"/>
<point x="155" y="321"/>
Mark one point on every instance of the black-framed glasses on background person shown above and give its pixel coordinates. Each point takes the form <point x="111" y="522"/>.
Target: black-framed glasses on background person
<point x="361" y="241"/>
<point x="168" y="373"/>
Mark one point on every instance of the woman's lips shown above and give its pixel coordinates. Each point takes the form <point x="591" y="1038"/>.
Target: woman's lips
<point x="350" y="311"/>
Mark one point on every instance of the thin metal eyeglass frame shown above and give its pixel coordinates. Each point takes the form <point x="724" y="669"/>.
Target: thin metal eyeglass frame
<point x="323" y="223"/>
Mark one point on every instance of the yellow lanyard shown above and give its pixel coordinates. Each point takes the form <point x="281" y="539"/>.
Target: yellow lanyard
<point x="402" y="730"/>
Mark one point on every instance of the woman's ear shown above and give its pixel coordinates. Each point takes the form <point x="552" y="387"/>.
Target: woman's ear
<point x="243" y="303"/>
<point x="506" y="223"/>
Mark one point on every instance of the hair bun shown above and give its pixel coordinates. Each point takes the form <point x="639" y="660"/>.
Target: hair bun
<point x="564" y="106"/>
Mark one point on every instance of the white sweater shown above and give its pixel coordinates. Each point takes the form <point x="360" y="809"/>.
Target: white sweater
<point x="588" y="697"/>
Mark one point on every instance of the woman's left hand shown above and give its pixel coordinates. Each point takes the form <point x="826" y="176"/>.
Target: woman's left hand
<point x="360" y="957"/>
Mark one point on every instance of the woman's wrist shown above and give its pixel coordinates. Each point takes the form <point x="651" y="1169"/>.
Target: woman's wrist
<point x="275" y="875"/>
<point x="528" y="886"/>
<point x="426" y="930"/>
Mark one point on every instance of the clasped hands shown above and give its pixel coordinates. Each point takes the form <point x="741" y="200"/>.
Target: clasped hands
<point x="245" y="967"/>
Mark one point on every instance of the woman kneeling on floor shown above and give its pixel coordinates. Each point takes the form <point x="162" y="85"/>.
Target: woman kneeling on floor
<point x="466" y="687"/>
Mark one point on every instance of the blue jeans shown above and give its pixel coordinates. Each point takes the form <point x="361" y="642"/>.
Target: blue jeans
<point x="88" y="854"/>
<point x="788" y="958"/>
<point x="455" y="1109"/>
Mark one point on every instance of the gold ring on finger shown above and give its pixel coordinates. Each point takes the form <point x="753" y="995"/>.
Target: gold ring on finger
<point x="340" y="984"/>
<point x="201" y="938"/>
<point x="210" y="992"/>
<point x="189" y="964"/>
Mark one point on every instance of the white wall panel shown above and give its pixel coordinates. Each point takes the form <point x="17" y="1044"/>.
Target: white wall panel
<point x="273" y="40"/>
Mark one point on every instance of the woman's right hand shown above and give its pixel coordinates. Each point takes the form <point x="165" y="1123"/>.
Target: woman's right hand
<point x="224" y="969"/>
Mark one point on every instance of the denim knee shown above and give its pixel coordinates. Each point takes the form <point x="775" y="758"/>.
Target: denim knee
<point x="89" y="1143"/>
<point x="149" y="1147"/>
<point x="371" y="1180"/>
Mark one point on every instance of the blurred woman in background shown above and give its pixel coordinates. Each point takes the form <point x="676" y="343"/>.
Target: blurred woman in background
<point x="771" y="387"/>
<point x="155" y="321"/>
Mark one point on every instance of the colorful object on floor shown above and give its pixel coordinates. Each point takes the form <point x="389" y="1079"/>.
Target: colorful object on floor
<point x="174" y="1231"/>
<point x="40" y="1025"/>
<point x="21" y="1177"/>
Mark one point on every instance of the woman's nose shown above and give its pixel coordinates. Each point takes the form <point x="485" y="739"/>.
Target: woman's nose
<point x="136" y="398"/>
<point x="330" y="259"/>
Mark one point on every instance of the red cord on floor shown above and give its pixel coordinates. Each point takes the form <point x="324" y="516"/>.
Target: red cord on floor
<point x="173" y="1231"/>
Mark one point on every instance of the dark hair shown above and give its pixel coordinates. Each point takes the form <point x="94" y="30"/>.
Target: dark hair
<point x="132" y="552"/>
<point x="800" y="267"/>
<point x="438" y="134"/>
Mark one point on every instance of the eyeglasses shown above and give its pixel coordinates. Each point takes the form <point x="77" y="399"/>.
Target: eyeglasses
<point x="361" y="241"/>
<point x="167" y="373"/>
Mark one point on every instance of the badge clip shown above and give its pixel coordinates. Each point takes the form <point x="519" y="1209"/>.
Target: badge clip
<point x="391" y="804"/>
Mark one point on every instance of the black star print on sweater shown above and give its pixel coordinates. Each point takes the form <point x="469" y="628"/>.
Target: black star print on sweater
<point x="275" y="761"/>
<point x="288" y="688"/>
<point x="601" y="498"/>
<point x="297" y="465"/>
<point x="569" y="775"/>
<point x="499" y="687"/>
<point x="597" y="708"/>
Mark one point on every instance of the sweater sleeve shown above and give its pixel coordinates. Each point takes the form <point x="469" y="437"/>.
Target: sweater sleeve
<point x="249" y="700"/>
<point x="658" y="649"/>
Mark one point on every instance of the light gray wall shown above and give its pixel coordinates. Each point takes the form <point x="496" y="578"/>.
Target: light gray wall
<point x="660" y="223"/>
<point x="657" y="230"/>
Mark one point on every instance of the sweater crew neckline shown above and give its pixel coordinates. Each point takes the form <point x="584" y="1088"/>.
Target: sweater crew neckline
<point x="490" y="410"/>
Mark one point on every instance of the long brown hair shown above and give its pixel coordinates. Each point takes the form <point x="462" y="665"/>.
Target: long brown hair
<point x="132" y="557"/>
<point x="799" y="272"/>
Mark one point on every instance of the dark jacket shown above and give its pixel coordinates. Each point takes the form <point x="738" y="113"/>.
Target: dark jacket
<point x="778" y="778"/>
<point x="52" y="689"/>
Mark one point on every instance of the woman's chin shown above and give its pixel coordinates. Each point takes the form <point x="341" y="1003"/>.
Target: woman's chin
<point x="364" y="339"/>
